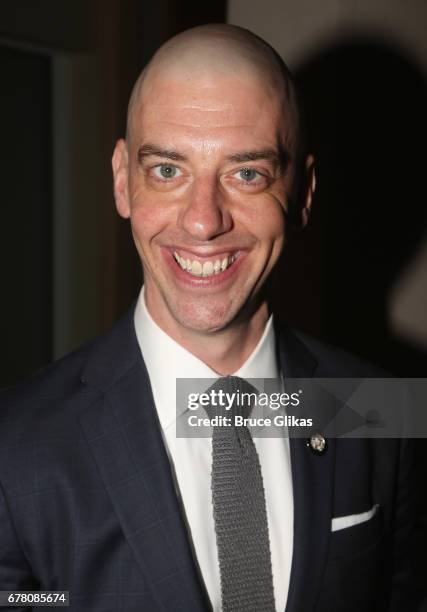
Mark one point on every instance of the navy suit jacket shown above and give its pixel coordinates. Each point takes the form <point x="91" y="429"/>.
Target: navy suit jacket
<point x="87" y="500"/>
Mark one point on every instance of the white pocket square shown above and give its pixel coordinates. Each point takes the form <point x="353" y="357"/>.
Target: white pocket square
<point x="342" y="522"/>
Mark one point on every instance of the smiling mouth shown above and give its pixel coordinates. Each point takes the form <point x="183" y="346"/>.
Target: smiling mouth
<point x="205" y="268"/>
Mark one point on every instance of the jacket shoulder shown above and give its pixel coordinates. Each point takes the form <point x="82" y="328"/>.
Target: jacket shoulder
<point x="35" y="407"/>
<point x="108" y="352"/>
<point x="332" y="361"/>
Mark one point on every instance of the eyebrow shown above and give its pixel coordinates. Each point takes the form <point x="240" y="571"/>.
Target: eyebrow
<point x="149" y="149"/>
<point x="278" y="158"/>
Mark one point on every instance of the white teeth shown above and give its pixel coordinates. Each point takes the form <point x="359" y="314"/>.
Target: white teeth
<point x="208" y="268"/>
<point x="196" y="267"/>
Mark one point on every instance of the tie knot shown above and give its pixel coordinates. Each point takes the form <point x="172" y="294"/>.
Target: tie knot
<point x="231" y="396"/>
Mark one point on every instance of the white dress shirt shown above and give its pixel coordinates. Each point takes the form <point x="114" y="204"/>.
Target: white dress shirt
<point x="191" y="458"/>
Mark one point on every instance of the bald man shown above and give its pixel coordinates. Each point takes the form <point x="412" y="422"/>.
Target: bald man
<point x="98" y="494"/>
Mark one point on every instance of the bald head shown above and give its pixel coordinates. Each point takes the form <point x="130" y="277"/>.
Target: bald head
<point x="211" y="172"/>
<point x="207" y="53"/>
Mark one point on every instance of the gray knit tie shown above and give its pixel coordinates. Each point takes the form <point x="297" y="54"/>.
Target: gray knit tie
<point x="239" y="510"/>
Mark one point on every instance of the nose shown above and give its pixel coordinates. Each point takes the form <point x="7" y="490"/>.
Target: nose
<point x="205" y="216"/>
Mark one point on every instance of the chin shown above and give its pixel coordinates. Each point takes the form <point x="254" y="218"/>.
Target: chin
<point x="205" y="317"/>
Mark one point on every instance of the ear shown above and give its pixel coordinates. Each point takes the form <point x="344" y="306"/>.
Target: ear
<point x="308" y="191"/>
<point x="120" y="163"/>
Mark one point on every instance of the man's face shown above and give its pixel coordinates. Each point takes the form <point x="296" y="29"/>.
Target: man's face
<point x="205" y="183"/>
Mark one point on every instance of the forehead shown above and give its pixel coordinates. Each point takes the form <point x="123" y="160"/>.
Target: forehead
<point x="211" y="110"/>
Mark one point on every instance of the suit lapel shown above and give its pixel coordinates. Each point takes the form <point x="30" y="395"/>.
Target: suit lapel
<point x="123" y="433"/>
<point x="312" y="477"/>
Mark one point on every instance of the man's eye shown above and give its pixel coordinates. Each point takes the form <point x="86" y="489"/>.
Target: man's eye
<point x="248" y="175"/>
<point x="166" y="171"/>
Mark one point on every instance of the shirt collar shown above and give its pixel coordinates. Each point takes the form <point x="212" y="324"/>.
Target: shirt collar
<point x="166" y="360"/>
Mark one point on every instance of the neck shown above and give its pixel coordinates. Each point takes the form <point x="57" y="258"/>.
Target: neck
<point x="225" y="350"/>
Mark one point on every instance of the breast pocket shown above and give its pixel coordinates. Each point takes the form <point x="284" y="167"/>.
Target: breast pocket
<point x="354" y="576"/>
<point x="356" y="533"/>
